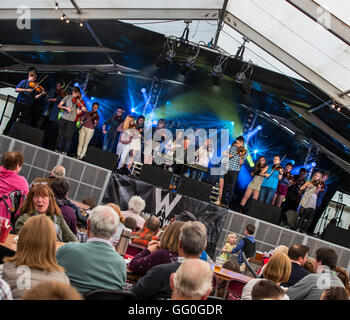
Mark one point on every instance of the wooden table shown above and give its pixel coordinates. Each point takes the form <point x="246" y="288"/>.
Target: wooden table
<point x="226" y="275"/>
<point x="11" y="245"/>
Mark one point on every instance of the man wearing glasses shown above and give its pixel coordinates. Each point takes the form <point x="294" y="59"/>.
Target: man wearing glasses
<point x="112" y="135"/>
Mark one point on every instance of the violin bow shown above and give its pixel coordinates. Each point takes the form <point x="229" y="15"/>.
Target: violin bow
<point x="273" y="170"/>
<point x="40" y="82"/>
<point x="79" y="100"/>
<point x="82" y="123"/>
<point x="67" y="86"/>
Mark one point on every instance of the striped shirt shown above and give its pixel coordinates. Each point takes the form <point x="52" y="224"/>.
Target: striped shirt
<point x="5" y="290"/>
<point x="233" y="164"/>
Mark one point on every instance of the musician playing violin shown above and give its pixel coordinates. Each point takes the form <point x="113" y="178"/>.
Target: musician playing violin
<point x="89" y="121"/>
<point x="272" y="176"/>
<point x="283" y="184"/>
<point x="70" y="105"/>
<point x="24" y="102"/>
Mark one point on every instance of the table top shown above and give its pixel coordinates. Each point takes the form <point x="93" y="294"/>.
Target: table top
<point x="226" y="274"/>
<point x="80" y="205"/>
<point x="10" y="244"/>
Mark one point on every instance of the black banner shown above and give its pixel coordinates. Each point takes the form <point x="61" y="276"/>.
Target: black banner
<point x="166" y="204"/>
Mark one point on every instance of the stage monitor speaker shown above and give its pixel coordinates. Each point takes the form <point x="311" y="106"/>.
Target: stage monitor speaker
<point x="100" y="158"/>
<point x="195" y="189"/>
<point x="264" y="211"/>
<point x="291" y="217"/>
<point x="337" y="236"/>
<point x="27" y="133"/>
<point x="156" y="176"/>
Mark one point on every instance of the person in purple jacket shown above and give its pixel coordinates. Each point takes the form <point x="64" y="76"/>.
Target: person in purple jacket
<point x="60" y="188"/>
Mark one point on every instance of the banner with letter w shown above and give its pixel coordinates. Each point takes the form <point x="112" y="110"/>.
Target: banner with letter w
<point x="166" y="204"/>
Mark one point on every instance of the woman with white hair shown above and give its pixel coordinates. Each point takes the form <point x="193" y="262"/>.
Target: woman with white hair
<point x="136" y="206"/>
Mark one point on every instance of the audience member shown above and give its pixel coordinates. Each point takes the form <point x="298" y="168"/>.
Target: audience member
<point x="277" y="270"/>
<point x="246" y="245"/>
<point x="58" y="172"/>
<point x="60" y="188"/>
<point x="9" y="179"/>
<point x="310" y="265"/>
<point x="35" y="257"/>
<point x="52" y="290"/>
<point x="130" y="223"/>
<point x="267" y="256"/>
<point x="267" y="290"/>
<point x="344" y="277"/>
<point x="155" y="284"/>
<point x="41" y="200"/>
<point x="232" y="265"/>
<point x="147" y="233"/>
<point x="136" y="206"/>
<point x="229" y="246"/>
<point x="298" y="255"/>
<point x="312" y="286"/>
<point x="158" y="252"/>
<point x="335" y="293"/>
<point x="121" y="226"/>
<point x="95" y="264"/>
<point x="5" y="290"/>
<point x="192" y="280"/>
<point x="89" y="202"/>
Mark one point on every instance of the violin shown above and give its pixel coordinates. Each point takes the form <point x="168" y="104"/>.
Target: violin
<point x="319" y="183"/>
<point x="78" y="103"/>
<point x="241" y="151"/>
<point x="289" y="177"/>
<point x="36" y="87"/>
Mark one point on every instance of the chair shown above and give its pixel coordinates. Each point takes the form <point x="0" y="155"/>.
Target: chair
<point x="102" y="294"/>
<point x="235" y="287"/>
<point x="250" y="268"/>
<point x="133" y="249"/>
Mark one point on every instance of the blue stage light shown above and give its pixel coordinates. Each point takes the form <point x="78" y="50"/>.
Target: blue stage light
<point x="256" y="151"/>
<point x="313" y="164"/>
<point x="259" y="127"/>
<point x="92" y="98"/>
<point x="143" y="90"/>
<point x="155" y="122"/>
<point x="132" y="110"/>
<point x="76" y="84"/>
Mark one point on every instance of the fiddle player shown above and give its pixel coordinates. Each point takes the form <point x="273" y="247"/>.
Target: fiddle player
<point x="235" y="161"/>
<point x="24" y="101"/>
<point x="67" y="124"/>
<point x="308" y="202"/>
<point x="272" y="176"/>
<point x="283" y="184"/>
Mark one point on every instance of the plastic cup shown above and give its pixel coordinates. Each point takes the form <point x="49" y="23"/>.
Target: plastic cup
<point x="219" y="262"/>
<point x="5" y="229"/>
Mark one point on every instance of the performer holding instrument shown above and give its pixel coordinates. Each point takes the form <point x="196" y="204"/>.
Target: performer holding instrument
<point x="283" y="184"/>
<point x="67" y="125"/>
<point x="88" y="121"/>
<point x="272" y="176"/>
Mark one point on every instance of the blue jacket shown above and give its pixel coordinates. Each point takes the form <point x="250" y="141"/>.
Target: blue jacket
<point x="240" y="248"/>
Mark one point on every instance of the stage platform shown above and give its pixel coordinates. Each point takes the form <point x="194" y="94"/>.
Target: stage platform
<point x="87" y="180"/>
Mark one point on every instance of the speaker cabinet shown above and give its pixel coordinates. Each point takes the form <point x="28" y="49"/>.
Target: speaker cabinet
<point x="195" y="189"/>
<point x="156" y="176"/>
<point x="337" y="236"/>
<point x="27" y="133"/>
<point x="264" y="211"/>
<point x="291" y="217"/>
<point x="100" y="158"/>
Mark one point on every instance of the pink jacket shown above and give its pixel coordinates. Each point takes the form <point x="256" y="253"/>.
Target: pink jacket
<point x="11" y="181"/>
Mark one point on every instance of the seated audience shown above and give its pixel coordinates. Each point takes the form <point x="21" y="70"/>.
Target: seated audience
<point x="147" y="233"/>
<point x="158" y="252"/>
<point x="9" y="179"/>
<point x="193" y="280"/>
<point x="267" y="290"/>
<point x="52" y="290"/>
<point x="344" y="277"/>
<point x="60" y="188"/>
<point x="267" y="256"/>
<point x="121" y="226"/>
<point x="156" y="283"/>
<point x="41" y="200"/>
<point x="232" y="265"/>
<point x="36" y="249"/>
<point x="130" y="223"/>
<point x="5" y="290"/>
<point x="95" y="264"/>
<point x="335" y="293"/>
<point x="298" y="255"/>
<point x="246" y="245"/>
<point x="136" y="206"/>
<point x="277" y="270"/>
<point x="312" y="286"/>
<point x="310" y="265"/>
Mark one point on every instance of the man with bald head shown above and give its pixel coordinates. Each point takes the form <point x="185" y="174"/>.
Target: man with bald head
<point x="58" y="172"/>
<point x="192" y="280"/>
<point x="147" y="233"/>
<point x="95" y="264"/>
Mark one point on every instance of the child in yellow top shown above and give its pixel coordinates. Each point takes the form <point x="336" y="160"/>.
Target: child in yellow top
<point x="229" y="246"/>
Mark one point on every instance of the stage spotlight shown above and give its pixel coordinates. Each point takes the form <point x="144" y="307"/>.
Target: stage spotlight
<point x="259" y="127"/>
<point x="232" y="123"/>
<point x="216" y="75"/>
<point x="76" y="84"/>
<point x="155" y="122"/>
<point x="92" y="98"/>
<point x="339" y="109"/>
<point x="143" y="90"/>
<point x="188" y="65"/>
<point x="256" y="151"/>
<point x="313" y="164"/>
<point x="132" y="110"/>
<point x="165" y="59"/>
<point x="242" y="79"/>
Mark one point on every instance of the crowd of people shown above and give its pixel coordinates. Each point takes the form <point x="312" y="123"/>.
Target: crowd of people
<point x="68" y="254"/>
